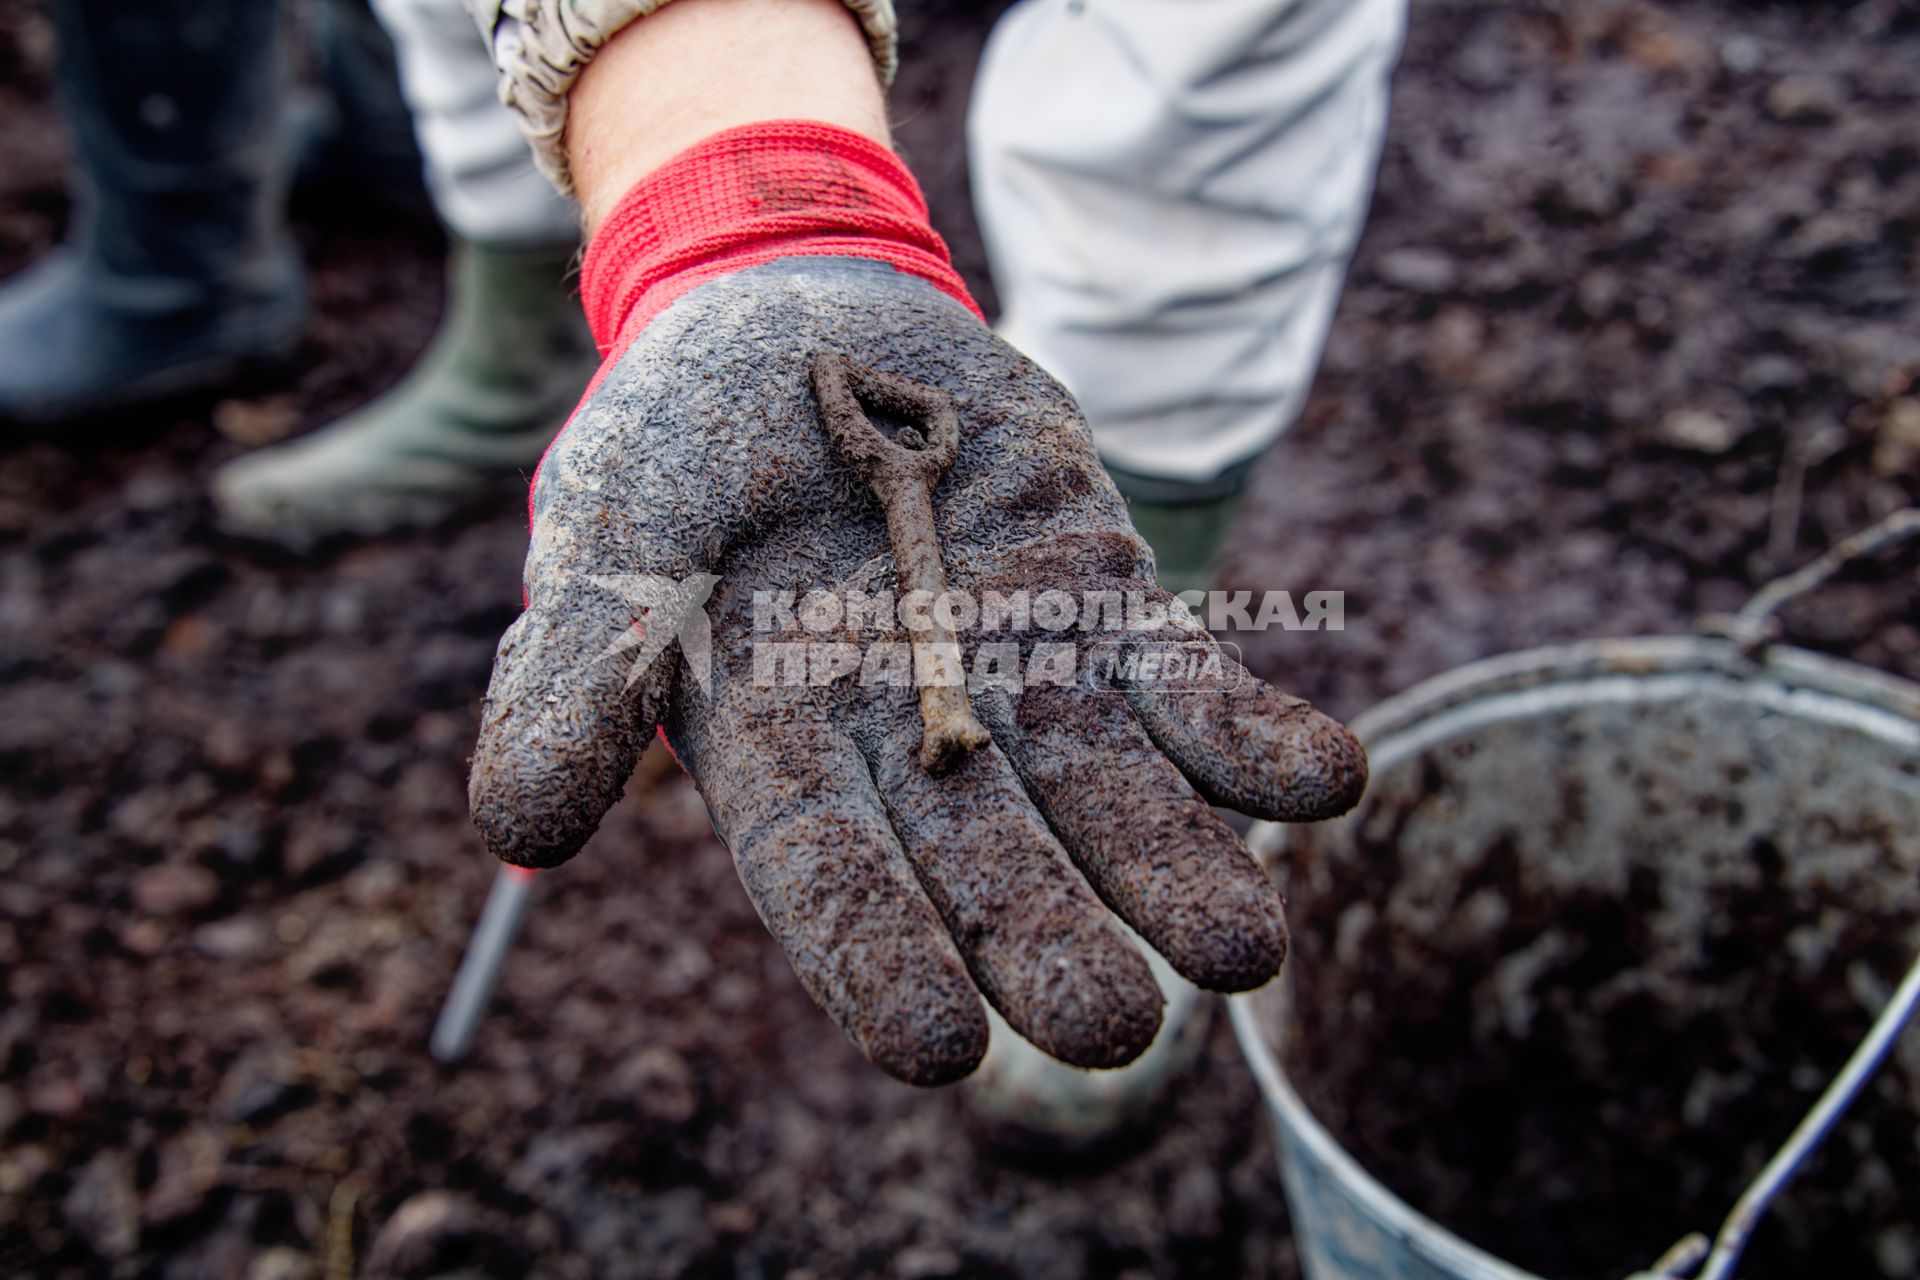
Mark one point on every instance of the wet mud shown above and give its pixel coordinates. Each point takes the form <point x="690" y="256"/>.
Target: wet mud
<point x="1631" y="329"/>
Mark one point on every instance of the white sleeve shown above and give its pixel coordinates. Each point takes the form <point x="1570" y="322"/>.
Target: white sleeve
<point x="479" y="169"/>
<point x="1169" y="195"/>
<point x="540" y="47"/>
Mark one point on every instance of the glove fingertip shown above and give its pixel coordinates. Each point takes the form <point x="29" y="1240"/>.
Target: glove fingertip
<point x="1243" y="952"/>
<point x="535" y="806"/>
<point x="1318" y="770"/>
<point x="937" y="1043"/>
<point x="1104" y="1010"/>
<point x="544" y="774"/>
<point x="1255" y="750"/>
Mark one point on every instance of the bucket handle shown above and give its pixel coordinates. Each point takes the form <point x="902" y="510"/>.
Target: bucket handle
<point x="1751" y="629"/>
<point x="1724" y="1253"/>
<point x="1755" y="626"/>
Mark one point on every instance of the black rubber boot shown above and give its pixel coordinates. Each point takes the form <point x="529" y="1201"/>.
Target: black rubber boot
<point x="178" y="273"/>
<point x="352" y="135"/>
<point x="470" y="421"/>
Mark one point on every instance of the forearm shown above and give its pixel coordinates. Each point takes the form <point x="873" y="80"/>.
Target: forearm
<point x="685" y="70"/>
<point x="697" y="67"/>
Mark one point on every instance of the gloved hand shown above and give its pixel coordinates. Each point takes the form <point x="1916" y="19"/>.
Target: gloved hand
<point x="698" y="470"/>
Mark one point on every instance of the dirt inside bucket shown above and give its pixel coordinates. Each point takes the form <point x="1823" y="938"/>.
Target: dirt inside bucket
<point x="1564" y="984"/>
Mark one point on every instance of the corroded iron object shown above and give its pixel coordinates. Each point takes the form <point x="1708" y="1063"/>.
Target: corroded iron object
<point x="902" y="469"/>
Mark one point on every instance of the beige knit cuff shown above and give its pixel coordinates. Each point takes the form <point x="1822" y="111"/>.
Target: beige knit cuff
<point x="540" y="47"/>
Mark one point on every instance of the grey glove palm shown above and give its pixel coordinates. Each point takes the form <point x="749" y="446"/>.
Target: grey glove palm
<point x="700" y="470"/>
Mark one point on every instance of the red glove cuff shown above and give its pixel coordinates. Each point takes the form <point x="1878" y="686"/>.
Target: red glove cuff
<point x="778" y="189"/>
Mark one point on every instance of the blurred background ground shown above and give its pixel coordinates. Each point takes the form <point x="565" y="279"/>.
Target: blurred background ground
<point x="1632" y="329"/>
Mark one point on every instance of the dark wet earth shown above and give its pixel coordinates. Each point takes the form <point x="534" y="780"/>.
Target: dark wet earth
<point x="1632" y="329"/>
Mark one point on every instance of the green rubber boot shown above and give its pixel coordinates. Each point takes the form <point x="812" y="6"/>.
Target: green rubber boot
<point x="1034" y="1107"/>
<point x="468" y="423"/>
<point x="1185" y="523"/>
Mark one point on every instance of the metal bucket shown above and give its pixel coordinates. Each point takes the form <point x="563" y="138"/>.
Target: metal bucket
<point x="1650" y="790"/>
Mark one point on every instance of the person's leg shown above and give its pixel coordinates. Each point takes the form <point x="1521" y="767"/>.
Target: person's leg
<point x="1170" y="193"/>
<point x="478" y="166"/>
<point x="513" y="352"/>
<point x="178" y="271"/>
<point x="353" y="131"/>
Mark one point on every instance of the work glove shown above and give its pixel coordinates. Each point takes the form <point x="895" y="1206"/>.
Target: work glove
<point x="685" y="525"/>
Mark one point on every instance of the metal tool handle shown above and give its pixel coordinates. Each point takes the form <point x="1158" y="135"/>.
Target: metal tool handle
<point x="480" y="967"/>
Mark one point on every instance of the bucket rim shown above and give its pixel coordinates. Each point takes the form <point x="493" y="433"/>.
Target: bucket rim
<point x="1634" y="656"/>
<point x="1787" y="668"/>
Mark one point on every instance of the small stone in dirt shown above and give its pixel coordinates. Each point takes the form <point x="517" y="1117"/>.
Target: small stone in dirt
<point x="1485" y="62"/>
<point x="925" y="1262"/>
<point x="61" y="1097"/>
<point x="310" y="845"/>
<point x="190" y="1167"/>
<point x="732" y="1218"/>
<point x="376" y="884"/>
<point x="560" y="1158"/>
<point x="423" y="1235"/>
<point x="685" y="967"/>
<point x="22" y="1167"/>
<point x="1579" y="195"/>
<point x="1896" y="441"/>
<point x="658" y="1084"/>
<point x="175" y="889"/>
<point x="236" y="938"/>
<point x="1772" y="373"/>
<point x="333" y="954"/>
<point x="1598" y="293"/>
<point x="1898" y="1251"/>
<point x="258" y="1089"/>
<point x="1805" y="99"/>
<point x="282" y="1263"/>
<point x="1696" y="431"/>
<point x="118" y="679"/>
<point x="147" y="818"/>
<point x="256" y="422"/>
<point x="1742" y="54"/>
<point x="102" y="1207"/>
<point x="144" y="937"/>
<point x="1418" y="270"/>
<point x="228" y="747"/>
<point x="1194" y="1203"/>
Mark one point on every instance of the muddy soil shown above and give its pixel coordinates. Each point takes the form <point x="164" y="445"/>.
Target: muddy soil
<point x="1632" y="328"/>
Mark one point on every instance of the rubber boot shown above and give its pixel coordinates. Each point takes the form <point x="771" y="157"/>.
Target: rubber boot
<point x="1185" y="523"/>
<point x="178" y="274"/>
<point x="1035" y="1107"/>
<point x="469" y="422"/>
<point x="353" y="138"/>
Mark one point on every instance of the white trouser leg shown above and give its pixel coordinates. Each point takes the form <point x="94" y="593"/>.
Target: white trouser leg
<point x="479" y="168"/>
<point x="1170" y="191"/>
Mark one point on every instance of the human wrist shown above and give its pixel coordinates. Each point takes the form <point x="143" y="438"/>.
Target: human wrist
<point x="744" y="196"/>
<point x="541" y="48"/>
<point x="698" y="67"/>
